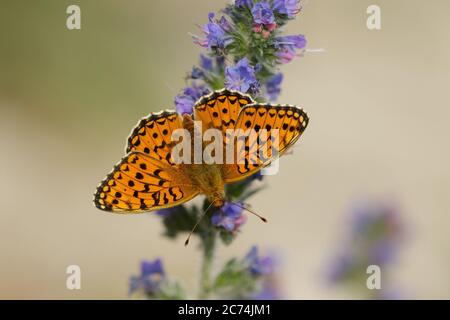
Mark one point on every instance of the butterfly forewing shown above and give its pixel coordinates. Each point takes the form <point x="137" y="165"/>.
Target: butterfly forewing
<point x="153" y="135"/>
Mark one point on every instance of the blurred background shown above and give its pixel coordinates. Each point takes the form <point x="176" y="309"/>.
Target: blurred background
<point x="378" y="103"/>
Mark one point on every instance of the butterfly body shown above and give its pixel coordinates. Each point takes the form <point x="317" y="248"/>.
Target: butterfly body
<point x="207" y="177"/>
<point x="148" y="178"/>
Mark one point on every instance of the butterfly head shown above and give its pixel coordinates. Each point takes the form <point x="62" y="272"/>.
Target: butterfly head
<point x="218" y="199"/>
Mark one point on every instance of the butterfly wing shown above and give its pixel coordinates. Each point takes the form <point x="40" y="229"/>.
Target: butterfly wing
<point x="141" y="183"/>
<point x="285" y="123"/>
<point x="153" y="134"/>
<point x="220" y="109"/>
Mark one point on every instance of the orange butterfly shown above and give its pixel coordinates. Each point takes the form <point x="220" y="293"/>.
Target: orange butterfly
<point x="148" y="178"/>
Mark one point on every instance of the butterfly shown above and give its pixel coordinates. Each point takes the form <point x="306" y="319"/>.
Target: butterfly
<point x="147" y="178"/>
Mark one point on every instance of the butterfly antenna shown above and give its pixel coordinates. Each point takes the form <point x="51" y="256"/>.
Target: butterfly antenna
<point x="249" y="210"/>
<point x="196" y="224"/>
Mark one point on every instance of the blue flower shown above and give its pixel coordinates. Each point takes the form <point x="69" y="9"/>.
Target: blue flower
<point x="287" y="7"/>
<point x="224" y="24"/>
<point x="166" y="212"/>
<point x="273" y="86"/>
<point x="267" y="292"/>
<point x="230" y="217"/>
<point x="150" y="279"/>
<point x="391" y="294"/>
<point x="206" y="63"/>
<point x="186" y="100"/>
<point x="243" y="3"/>
<point x="215" y="32"/>
<point x="256" y="176"/>
<point x="215" y="36"/>
<point x="262" y="14"/>
<point x="341" y="267"/>
<point x="383" y="252"/>
<point x="196" y="73"/>
<point x="374" y="238"/>
<point x="241" y="77"/>
<point x="288" y="45"/>
<point x="375" y="219"/>
<point x="259" y="266"/>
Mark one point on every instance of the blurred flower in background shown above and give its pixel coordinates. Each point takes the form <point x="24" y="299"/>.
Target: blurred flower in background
<point x="153" y="283"/>
<point x="152" y="274"/>
<point x="253" y="277"/>
<point x="259" y="266"/>
<point x="375" y="238"/>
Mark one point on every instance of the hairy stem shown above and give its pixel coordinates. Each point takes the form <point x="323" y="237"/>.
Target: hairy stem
<point x="208" y="243"/>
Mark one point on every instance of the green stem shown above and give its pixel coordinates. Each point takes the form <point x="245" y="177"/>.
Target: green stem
<point x="209" y="243"/>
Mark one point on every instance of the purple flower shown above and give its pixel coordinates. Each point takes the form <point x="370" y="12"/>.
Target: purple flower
<point x="166" y="212"/>
<point x="196" y="73"/>
<point x="149" y="281"/>
<point x="375" y="219"/>
<point x="391" y="294"/>
<point x="256" y="176"/>
<point x="297" y="41"/>
<point x="230" y="217"/>
<point x="241" y="77"/>
<point x="206" y="63"/>
<point x="263" y="16"/>
<point x="374" y="239"/>
<point x="259" y="266"/>
<point x="224" y="24"/>
<point x="341" y="267"/>
<point x="268" y="292"/>
<point x="215" y="34"/>
<point x="383" y="252"/>
<point x="287" y="7"/>
<point x="186" y="100"/>
<point x="273" y="86"/>
<point x="288" y="45"/>
<point x="243" y="3"/>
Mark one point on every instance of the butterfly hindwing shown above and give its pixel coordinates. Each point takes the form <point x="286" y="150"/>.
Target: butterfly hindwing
<point x="153" y="134"/>
<point x="141" y="183"/>
<point x="284" y="124"/>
